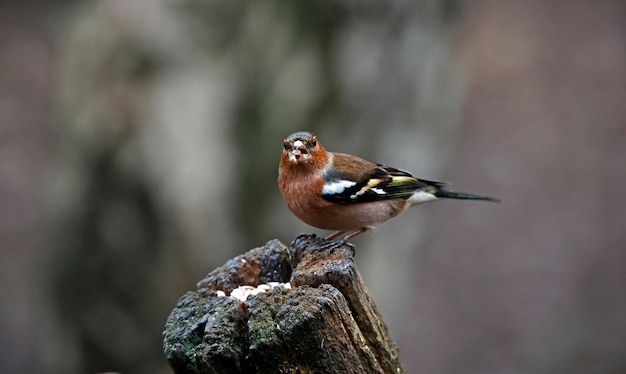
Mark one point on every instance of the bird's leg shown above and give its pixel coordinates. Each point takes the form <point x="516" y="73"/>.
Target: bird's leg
<point x="353" y="234"/>
<point x="335" y="235"/>
<point x="332" y="244"/>
<point x="343" y="240"/>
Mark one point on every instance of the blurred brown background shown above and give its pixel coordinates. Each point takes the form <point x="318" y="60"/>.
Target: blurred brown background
<point x="139" y="149"/>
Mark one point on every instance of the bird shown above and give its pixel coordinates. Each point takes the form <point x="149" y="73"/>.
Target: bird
<point x="347" y="194"/>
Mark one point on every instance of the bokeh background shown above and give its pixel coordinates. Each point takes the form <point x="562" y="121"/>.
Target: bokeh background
<point x="139" y="147"/>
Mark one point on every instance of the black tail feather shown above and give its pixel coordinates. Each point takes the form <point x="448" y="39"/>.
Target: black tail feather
<point x="441" y="193"/>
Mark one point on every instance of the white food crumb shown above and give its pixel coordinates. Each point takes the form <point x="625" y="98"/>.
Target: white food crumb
<point x="241" y="293"/>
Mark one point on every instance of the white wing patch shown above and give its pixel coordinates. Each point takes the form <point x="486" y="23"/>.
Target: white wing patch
<point x="379" y="191"/>
<point x="370" y="187"/>
<point x="419" y="197"/>
<point x="336" y="187"/>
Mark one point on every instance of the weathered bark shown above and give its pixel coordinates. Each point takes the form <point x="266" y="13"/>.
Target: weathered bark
<point x="326" y="321"/>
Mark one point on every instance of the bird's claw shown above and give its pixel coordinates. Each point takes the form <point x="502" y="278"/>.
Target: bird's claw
<point x="332" y="245"/>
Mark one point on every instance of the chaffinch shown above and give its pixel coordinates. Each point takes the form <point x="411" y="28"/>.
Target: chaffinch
<point x="337" y="191"/>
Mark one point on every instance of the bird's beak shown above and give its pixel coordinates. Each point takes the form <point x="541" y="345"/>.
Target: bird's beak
<point x="298" y="152"/>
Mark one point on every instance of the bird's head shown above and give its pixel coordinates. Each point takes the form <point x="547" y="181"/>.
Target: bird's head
<point x="301" y="147"/>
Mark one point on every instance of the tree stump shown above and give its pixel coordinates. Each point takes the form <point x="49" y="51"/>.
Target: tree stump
<point x="303" y="309"/>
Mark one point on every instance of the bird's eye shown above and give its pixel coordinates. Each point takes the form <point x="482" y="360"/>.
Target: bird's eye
<point x="286" y="146"/>
<point x="313" y="142"/>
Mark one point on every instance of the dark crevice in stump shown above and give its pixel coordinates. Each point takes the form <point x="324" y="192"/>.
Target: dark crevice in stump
<point x="326" y="322"/>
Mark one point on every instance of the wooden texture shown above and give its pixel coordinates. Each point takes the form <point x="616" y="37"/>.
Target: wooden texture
<point x="326" y="322"/>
